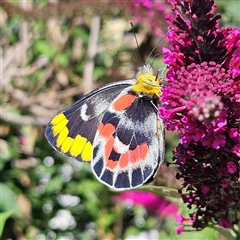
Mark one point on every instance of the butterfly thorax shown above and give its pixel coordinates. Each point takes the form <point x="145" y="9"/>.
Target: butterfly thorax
<point x="147" y="83"/>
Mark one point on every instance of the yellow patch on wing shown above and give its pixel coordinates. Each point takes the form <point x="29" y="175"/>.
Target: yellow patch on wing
<point x="62" y="136"/>
<point x="87" y="152"/>
<point x="60" y="117"/>
<point x="78" y="147"/>
<point x="58" y="124"/>
<point x="67" y="144"/>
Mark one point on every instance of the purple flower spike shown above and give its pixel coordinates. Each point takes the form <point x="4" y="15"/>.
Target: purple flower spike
<point x="202" y="103"/>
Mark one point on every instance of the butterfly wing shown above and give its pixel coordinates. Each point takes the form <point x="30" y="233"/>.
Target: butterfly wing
<point x="129" y="144"/>
<point x="72" y="131"/>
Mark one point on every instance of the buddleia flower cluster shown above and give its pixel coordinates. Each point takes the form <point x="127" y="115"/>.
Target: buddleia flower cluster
<point x="202" y="103"/>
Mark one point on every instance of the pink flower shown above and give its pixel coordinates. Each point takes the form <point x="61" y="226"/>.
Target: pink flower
<point x="235" y="64"/>
<point x="231" y="167"/>
<point x="180" y="218"/>
<point x="184" y="222"/>
<point x="205" y="189"/>
<point x="224" y="183"/>
<point x="179" y="229"/>
<point x="224" y="222"/>
<point x="233" y="132"/>
<point x="236" y="150"/>
<point x="151" y="202"/>
<point x="219" y="141"/>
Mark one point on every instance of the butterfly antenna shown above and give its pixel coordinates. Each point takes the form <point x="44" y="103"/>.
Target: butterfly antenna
<point x="156" y="47"/>
<point x="159" y="54"/>
<point x="160" y="71"/>
<point x="137" y="41"/>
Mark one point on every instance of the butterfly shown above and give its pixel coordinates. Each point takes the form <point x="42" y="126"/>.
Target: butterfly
<point x="117" y="129"/>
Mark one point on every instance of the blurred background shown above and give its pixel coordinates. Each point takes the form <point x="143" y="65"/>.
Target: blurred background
<point x="52" y="52"/>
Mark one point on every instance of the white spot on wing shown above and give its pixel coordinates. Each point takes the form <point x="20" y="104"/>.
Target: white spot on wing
<point x="120" y="147"/>
<point x="83" y="111"/>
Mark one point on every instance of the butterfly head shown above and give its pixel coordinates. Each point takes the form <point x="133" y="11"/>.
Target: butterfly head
<point x="147" y="83"/>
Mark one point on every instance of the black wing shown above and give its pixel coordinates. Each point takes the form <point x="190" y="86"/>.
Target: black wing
<point x="72" y="131"/>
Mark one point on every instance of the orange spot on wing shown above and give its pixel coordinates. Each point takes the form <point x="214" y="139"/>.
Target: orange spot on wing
<point x="111" y="164"/>
<point x="142" y="150"/>
<point x="107" y="130"/>
<point x="109" y="147"/>
<point x="100" y="127"/>
<point x="124" y="160"/>
<point x="123" y="102"/>
<point x="133" y="156"/>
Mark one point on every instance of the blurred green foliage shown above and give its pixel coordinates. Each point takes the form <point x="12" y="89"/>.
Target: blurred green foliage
<point x="44" y="195"/>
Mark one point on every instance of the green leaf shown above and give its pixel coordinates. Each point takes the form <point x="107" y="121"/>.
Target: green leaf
<point x="13" y="26"/>
<point x="63" y="60"/>
<point x="81" y="33"/>
<point x="54" y="185"/>
<point x="15" y="111"/>
<point x="224" y="232"/>
<point x="36" y="76"/>
<point x="99" y="72"/>
<point x="131" y="231"/>
<point x="3" y="218"/>
<point x="206" y="234"/>
<point x="161" y="191"/>
<point x="8" y="199"/>
<point x="5" y="155"/>
<point x="44" y="48"/>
